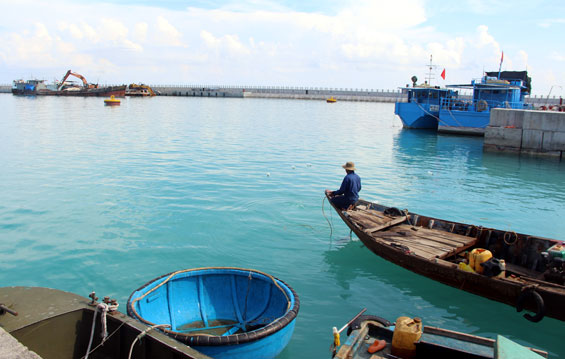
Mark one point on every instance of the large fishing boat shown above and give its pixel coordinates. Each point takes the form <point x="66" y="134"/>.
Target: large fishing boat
<point x="64" y="88"/>
<point x="421" y="109"/>
<point x="520" y="270"/>
<point x="506" y="89"/>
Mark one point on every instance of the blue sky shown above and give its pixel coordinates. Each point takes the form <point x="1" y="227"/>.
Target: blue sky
<point x="338" y="44"/>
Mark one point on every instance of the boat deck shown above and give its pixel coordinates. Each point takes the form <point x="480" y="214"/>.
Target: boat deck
<point x="421" y="241"/>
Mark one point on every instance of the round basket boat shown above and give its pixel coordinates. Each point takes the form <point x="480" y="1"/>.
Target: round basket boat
<point x="222" y="312"/>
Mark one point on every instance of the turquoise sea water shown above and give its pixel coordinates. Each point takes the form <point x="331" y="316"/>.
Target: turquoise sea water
<point x="108" y="198"/>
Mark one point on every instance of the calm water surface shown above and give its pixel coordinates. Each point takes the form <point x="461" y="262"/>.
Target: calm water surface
<point x="107" y="198"/>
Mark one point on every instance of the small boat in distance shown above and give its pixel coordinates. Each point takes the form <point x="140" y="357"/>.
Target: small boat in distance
<point x="375" y="337"/>
<point x="331" y="100"/>
<point x="520" y="270"/>
<point x="112" y="101"/>
<point x="140" y="90"/>
<point x="223" y="312"/>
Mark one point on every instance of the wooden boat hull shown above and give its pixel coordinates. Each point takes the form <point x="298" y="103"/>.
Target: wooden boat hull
<point x="58" y="325"/>
<point x="223" y="312"/>
<point x="522" y="290"/>
<point x="434" y="342"/>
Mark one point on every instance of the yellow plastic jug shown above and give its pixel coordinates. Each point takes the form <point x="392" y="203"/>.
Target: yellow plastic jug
<point x="478" y="256"/>
<point x="465" y="267"/>
<point x="406" y="333"/>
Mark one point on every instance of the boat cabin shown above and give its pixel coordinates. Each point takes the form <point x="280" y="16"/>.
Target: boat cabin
<point x="428" y="95"/>
<point x="506" y="89"/>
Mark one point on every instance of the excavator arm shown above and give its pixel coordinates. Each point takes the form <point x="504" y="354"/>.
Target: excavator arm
<point x="84" y="82"/>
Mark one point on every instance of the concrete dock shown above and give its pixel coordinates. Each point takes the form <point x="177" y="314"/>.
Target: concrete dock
<point x="11" y="348"/>
<point x="526" y="132"/>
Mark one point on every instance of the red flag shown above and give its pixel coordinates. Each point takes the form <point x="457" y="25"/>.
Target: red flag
<point x="443" y="74"/>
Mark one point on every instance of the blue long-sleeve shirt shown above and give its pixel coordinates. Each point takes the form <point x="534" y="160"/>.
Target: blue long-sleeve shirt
<point x="350" y="187"/>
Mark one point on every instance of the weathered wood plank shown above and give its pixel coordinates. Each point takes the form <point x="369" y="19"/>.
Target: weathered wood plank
<point x="386" y="225"/>
<point x="447" y="235"/>
<point x="418" y="247"/>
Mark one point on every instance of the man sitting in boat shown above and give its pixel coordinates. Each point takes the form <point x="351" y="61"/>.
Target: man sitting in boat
<point x="348" y="193"/>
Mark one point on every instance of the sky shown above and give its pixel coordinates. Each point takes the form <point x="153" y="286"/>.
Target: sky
<point x="358" y="44"/>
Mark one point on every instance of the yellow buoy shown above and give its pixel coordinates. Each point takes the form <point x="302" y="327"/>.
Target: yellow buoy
<point x="112" y="101"/>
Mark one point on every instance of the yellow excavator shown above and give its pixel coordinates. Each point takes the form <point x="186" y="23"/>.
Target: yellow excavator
<point x="139" y="90"/>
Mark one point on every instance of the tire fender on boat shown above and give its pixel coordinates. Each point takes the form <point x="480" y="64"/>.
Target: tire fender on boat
<point x="482" y="105"/>
<point x="540" y="306"/>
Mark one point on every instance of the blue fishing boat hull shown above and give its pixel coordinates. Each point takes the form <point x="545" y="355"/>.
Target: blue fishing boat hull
<point x="463" y="122"/>
<point x="221" y="312"/>
<point x="417" y="116"/>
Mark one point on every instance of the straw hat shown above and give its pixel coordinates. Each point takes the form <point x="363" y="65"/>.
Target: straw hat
<point x="350" y="166"/>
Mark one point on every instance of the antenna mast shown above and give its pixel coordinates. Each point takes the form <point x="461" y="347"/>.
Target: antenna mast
<point x="430" y="75"/>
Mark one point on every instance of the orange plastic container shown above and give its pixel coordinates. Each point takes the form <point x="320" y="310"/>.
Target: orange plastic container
<point x="406" y="333"/>
<point x="478" y="256"/>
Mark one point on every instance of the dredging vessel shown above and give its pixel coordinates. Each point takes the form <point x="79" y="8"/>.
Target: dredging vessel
<point x="63" y="88"/>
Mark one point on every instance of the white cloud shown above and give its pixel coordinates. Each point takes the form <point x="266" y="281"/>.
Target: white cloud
<point x="140" y="31"/>
<point x="168" y="34"/>
<point x="366" y="43"/>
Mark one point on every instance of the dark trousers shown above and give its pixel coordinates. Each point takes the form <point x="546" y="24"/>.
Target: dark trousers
<point x="341" y="202"/>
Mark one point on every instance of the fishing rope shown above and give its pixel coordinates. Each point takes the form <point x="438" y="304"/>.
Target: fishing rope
<point x="91" y="333"/>
<point x="431" y="114"/>
<point x="249" y="278"/>
<point x="204" y="268"/>
<point x="508" y="236"/>
<point x="144" y="333"/>
<point x="104" y="308"/>
<point x="102" y="343"/>
<point x="324" y="213"/>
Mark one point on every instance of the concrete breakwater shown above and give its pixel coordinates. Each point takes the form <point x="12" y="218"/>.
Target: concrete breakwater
<point x="302" y="93"/>
<point x="526" y="131"/>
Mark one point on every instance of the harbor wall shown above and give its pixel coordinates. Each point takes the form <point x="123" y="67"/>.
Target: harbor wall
<point x="526" y="132"/>
<point x="302" y="93"/>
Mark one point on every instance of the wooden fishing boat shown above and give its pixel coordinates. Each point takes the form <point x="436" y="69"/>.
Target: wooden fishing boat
<point x="222" y="312"/>
<point x="54" y="324"/>
<point x="529" y="271"/>
<point x="374" y="337"/>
